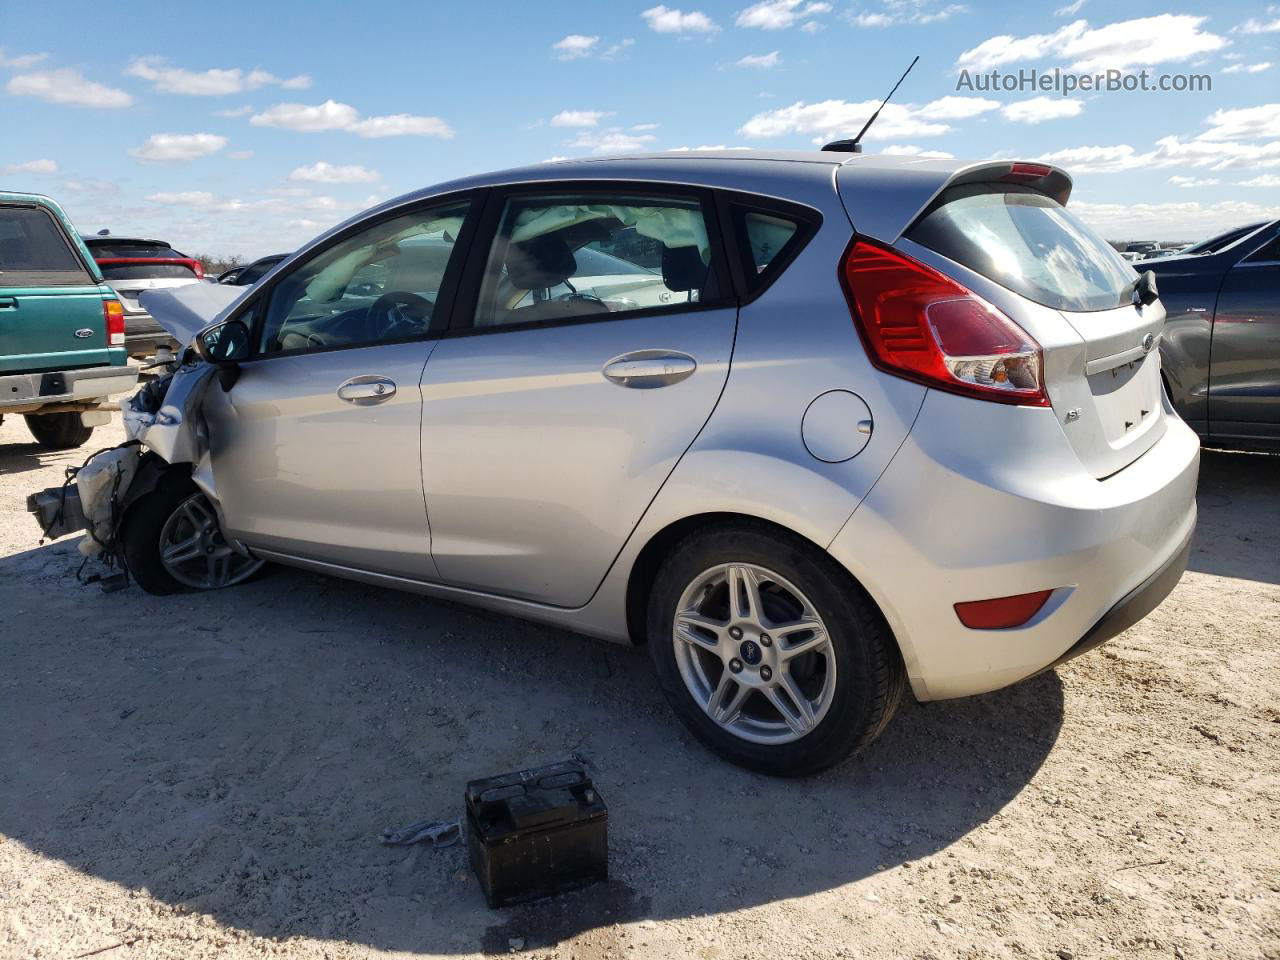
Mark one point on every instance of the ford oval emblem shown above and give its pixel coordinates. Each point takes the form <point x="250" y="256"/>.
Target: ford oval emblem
<point x="84" y="333"/>
<point x="1148" y="342"/>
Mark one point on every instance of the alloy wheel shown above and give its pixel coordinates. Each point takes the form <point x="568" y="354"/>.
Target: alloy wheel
<point x="194" y="552"/>
<point x="754" y="653"/>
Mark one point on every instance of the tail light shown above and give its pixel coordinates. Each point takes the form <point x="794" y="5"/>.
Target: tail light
<point x="113" y="313"/>
<point x="917" y="323"/>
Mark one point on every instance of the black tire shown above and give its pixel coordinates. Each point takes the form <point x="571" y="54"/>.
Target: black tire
<point x="140" y="533"/>
<point x="870" y="678"/>
<point x="58" y="431"/>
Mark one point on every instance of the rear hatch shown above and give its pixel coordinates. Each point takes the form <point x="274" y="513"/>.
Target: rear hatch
<point x="134" y="266"/>
<point x="1002" y="231"/>
<point x="51" y="306"/>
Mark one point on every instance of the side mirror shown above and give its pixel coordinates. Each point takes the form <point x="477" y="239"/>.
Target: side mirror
<point x="224" y="346"/>
<point x="228" y="342"/>
<point x="1145" y="290"/>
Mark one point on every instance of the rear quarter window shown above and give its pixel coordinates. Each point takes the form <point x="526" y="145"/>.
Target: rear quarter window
<point x="35" y="252"/>
<point x="1028" y="243"/>
<point x="768" y="239"/>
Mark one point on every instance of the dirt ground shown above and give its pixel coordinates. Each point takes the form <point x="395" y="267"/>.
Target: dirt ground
<point x="208" y="776"/>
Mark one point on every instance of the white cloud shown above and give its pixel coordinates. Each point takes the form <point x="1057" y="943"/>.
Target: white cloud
<point x="303" y="118"/>
<point x="332" y="115"/>
<point x="612" y="51"/>
<point x="917" y="12"/>
<point x="612" y="141"/>
<point x="1070" y="10"/>
<point x="910" y="150"/>
<point x="579" y="118"/>
<point x="31" y="166"/>
<point x="1245" y="123"/>
<point x="662" y="19"/>
<point x="1039" y="109"/>
<point x="234" y="111"/>
<point x="1248" y="67"/>
<point x="642" y="127"/>
<point x="185" y="198"/>
<point x="1253" y="25"/>
<point x="828" y="119"/>
<point x="177" y="147"/>
<point x="22" y="60"/>
<point x="1127" y="43"/>
<point x="402" y="125"/>
<point x="1167" y="152"/>
<point x="763" y="61"/>
<point x="1190" y="183"/>
<point x="780" y="14"/>
<point x="69" y="87"/>
<point x="1269" y="180"/>
<point x="1188" y="220"/>
<point x="575" y="46"/>
<point x="206" y="83"/>
<point x="323" y="172"/>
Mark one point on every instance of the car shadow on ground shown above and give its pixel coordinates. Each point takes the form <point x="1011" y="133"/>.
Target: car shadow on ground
<point x="1238" y="529"/>
<point x="25" y="457"/>
<point x="239" y="754"/>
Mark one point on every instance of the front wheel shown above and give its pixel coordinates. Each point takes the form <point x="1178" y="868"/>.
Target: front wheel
<point x="58" y="431"/>
<point x="769" y="652"/>
<point x="172" y="542"/>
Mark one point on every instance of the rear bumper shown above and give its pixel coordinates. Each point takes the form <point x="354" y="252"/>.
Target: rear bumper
<point x="143" y="334"/>
<point x="26" y="392"/>
<point x="986" y="501"/>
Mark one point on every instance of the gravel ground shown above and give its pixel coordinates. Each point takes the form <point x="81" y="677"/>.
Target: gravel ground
<point x="208" y="776"/>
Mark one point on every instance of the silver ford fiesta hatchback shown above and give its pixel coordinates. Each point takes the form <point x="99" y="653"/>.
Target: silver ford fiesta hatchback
<point x="814" y="428"/>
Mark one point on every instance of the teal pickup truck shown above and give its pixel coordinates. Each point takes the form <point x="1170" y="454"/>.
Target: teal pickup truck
<point x="62" y="349"/>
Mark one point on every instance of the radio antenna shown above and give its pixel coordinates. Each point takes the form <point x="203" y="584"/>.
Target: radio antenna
<point x="855" y="145"/>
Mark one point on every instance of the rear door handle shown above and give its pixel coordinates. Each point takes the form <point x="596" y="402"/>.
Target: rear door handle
<point x="367" y="390"/>
<point x="645" y="369"/>
<point x="8" y="303"/>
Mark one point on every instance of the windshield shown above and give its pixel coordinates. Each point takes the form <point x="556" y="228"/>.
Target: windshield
<point x="1029" y="243"/>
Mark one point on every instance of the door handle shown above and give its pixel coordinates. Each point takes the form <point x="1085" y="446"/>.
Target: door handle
<point x="8" y="303"/>
<point x="645" y="369"/>
<point x="367" y="390"/>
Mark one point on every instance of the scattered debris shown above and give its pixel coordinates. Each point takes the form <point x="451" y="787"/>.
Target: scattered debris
<point x="441" y="833"/>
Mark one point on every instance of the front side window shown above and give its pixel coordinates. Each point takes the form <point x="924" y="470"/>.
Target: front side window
<point x="566" y="257"/>
<point x="1028" y="243"/>
<point x="378" y="286"/>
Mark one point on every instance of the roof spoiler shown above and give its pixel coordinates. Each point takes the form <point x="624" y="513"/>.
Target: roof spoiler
<point x="884" y="199"/>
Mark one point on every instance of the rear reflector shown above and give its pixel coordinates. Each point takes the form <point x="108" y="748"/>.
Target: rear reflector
<point x="1002" y="612"/>
<point x="924" y="326"/>
<point x="113" y="313"/>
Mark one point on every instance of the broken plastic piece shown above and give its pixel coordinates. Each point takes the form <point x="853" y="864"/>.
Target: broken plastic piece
<point x="441" y="833"/>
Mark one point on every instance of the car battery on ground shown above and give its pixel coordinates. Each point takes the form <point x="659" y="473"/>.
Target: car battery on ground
<point x="537" y="832"/>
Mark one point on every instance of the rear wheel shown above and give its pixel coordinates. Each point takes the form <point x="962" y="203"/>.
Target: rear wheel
<point x="58" y="431"/>
<point x="769" y="651"/>
<point x="172" y="542"/>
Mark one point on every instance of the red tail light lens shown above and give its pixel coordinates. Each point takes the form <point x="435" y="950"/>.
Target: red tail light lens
<point x="921" y="325"/>
<point x="113" y="313"/>
<point x="1002" y="612"/>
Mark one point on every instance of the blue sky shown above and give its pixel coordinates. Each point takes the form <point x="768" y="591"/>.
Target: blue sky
<point x="250" y="128"/>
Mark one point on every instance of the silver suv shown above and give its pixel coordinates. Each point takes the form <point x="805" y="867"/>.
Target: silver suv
<point x="814" y="428"/>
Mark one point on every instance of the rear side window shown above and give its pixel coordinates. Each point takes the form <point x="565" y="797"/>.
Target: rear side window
<point x="569" y="257"/>
<point x="1028" y="243"/>
<point x="34" y="250"/>
<point x="1268" y="254"/>
<point x="147" y="271"/>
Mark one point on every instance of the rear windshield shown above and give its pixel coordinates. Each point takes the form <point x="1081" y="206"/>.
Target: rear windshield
<point x="132" y="248"/>
<point x="147" y="271"/>
<point x="34" y="251"/>
<point x="1028" y="243"/>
